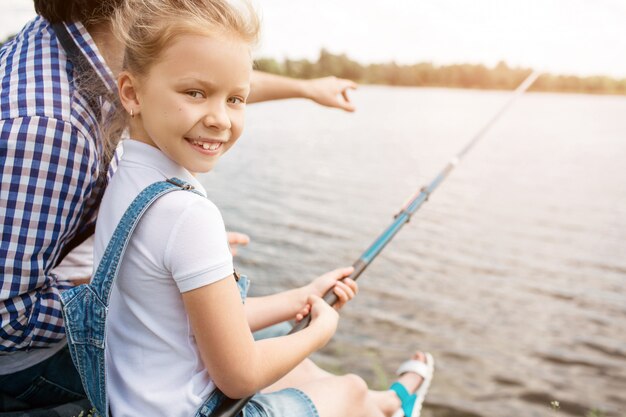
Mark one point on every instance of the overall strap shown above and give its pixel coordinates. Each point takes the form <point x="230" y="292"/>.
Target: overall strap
<point x="109" y="265"/>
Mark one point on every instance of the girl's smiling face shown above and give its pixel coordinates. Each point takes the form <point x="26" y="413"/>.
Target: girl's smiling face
<point x="190" y="104"/>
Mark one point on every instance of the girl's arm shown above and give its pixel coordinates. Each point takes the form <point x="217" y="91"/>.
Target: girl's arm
<point x="238" y="365"/>
<point x="292" y="304"/>
<point x="327" y="91"/>
<point x="262" y="312"/>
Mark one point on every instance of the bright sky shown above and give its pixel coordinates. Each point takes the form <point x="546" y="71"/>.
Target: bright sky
<point x="581" y="37"/>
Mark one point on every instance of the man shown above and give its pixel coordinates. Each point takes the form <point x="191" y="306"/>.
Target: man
<point x="53" y="174"/>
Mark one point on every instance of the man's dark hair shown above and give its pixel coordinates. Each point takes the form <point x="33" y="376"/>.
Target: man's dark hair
<point x="85" y="11"/>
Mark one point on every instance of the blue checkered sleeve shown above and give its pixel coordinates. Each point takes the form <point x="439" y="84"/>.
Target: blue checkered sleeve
<point x="40" y="207"/>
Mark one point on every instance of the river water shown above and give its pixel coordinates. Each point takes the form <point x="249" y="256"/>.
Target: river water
<point x="514" y="273"/>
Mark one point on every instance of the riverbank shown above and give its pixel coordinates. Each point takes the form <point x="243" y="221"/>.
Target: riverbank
<point x="426" y="74"/>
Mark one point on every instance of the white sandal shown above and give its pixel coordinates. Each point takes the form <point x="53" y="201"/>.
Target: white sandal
<point x="412" y="403"/>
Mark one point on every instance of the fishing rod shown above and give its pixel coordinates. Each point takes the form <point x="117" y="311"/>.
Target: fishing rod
<point x="230" y="407"/>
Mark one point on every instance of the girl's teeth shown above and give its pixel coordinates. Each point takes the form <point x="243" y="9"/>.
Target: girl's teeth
<point x="207" y="146"/>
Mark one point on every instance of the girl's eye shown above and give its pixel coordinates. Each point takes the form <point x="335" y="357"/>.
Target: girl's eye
<point x="235" y="100"/>
<point x="195" y="94"/>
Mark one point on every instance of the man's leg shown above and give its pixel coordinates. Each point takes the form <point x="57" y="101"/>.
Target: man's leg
<point x="53" y="381"/>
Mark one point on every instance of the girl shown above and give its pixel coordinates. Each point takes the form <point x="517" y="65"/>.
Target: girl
<point x="178" y="328"/>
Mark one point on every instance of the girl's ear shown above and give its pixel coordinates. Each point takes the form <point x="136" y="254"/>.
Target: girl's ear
<point x="127" y="90"/>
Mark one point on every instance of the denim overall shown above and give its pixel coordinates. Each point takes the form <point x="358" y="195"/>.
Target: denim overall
<point x="85" y="306"/>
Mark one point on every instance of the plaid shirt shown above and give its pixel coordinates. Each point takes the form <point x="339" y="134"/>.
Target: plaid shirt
<point x="49" y="165"/>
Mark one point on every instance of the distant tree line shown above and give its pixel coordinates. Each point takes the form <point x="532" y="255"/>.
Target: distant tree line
<point x="426" y="74"/>
<point x="500" y="77"/>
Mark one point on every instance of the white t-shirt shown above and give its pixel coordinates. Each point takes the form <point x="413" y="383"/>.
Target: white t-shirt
<point x="153" y="364"/>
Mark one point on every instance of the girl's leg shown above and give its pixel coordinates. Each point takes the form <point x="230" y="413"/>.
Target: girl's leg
<point x="308" y="376"/>
<point x="306" y="371"/>
<point x="341" y="396"/>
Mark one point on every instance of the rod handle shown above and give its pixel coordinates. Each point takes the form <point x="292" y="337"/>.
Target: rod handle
<point x="330" y="297"/>
<point x="230" y="407"/>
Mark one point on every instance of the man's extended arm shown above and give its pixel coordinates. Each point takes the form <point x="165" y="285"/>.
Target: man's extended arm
<point x="327" y="91"/>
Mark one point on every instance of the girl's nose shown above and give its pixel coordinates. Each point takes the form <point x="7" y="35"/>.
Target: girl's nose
<point x="216" y="117"/>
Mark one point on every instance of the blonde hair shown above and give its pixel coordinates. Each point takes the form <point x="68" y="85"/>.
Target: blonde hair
<point x="147" y="27"/>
